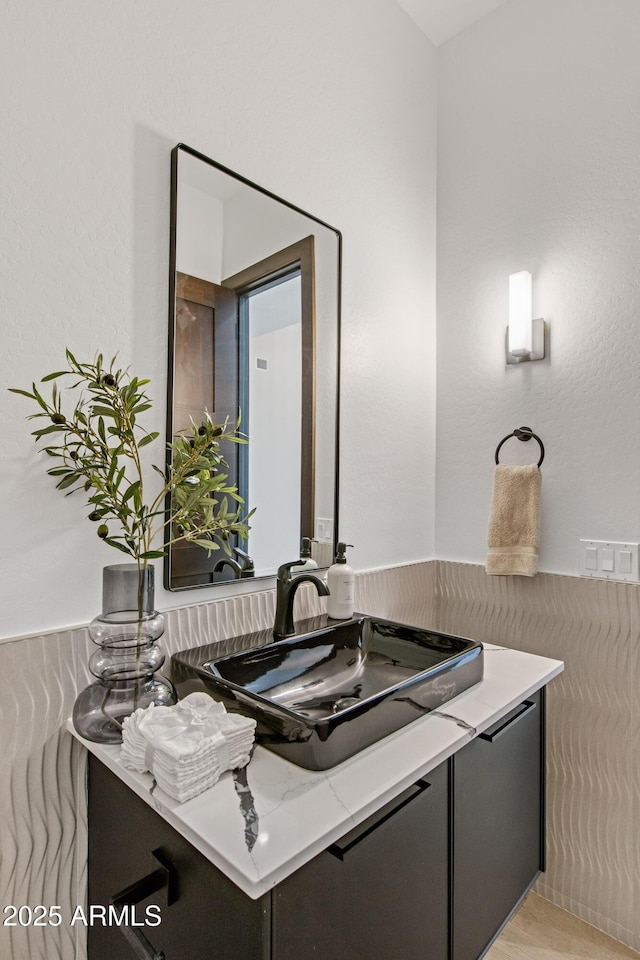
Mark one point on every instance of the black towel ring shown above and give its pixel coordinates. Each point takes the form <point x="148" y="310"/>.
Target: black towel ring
<point x="524" y="434"/>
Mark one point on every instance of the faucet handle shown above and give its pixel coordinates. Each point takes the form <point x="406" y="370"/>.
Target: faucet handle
<point x="246" y="563"/>
<point x="284" y="570"/>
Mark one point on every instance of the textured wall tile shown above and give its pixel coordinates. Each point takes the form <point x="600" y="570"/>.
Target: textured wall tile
<point x="592" y="727"/>
<point x="41" y="790"/>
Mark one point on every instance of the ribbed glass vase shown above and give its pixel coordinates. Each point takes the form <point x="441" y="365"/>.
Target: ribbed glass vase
<point x="127" y="657"/>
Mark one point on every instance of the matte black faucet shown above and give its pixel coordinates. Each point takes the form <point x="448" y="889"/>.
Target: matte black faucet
<point x="286" y="586"/>
<point x="242" y="568"/>
<point x="230" y="562"/>
<point x="247" y="568"/>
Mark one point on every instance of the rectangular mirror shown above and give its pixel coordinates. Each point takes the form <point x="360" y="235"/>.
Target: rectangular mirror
<point x="254" y="326"/>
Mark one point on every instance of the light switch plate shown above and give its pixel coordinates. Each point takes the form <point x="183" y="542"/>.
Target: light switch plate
<point x="324" y="528"/>
<point x="609" y="560"/>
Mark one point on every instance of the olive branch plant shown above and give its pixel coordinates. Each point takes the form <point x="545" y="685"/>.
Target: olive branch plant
<point x="96" y="448"/>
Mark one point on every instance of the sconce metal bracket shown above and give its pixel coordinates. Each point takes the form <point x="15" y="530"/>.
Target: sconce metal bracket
<point x="540" y="337"/>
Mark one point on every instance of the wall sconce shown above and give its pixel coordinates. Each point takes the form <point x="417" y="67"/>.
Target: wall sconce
<point x="525" y="335"/>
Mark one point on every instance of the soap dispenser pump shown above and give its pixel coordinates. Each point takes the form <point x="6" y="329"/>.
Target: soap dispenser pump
<point x="340" y="580"/>
<point x="305" y="555"/>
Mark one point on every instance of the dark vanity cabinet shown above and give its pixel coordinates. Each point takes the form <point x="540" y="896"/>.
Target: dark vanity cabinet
<point x="432" y="875"/>
<point x="497" y="829"/>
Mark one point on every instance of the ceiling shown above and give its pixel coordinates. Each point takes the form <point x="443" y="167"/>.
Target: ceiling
<point x="441" y="19"/>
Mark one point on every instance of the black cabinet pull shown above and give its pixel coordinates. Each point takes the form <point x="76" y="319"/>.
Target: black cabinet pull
<point x="164" y="876"/>
<point x="494" y="732"/>
<point x="341" y="847"/>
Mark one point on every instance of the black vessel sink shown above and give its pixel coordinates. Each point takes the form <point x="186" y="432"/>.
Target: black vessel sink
<point x="323" y="695"/>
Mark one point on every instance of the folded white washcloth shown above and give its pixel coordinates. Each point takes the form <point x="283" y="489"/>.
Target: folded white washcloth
<point x="187" y="746"/>
<point x="185" y="791"/>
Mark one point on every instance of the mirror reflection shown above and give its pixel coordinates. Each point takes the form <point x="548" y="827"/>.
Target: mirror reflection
<point x="254" y="330"/>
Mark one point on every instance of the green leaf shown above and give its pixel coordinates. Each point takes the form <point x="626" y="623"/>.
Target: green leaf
<point x="54" y="428"/>
<point x="52" y="376"/>
<point x="208" y="545"/>
<point x="155" y="513"/>
<point x="67" y="481"/>
<point x="97" y="411"/>
<point x="152" y="555"/>
<point x="131" y="491"/>
<point x="119" y="546"/>
<point x="150" y="437"/>
<point x="37" y="397"/>
<point x="23" y="393"/>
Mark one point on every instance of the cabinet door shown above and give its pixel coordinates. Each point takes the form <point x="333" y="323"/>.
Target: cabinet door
<point x="380" y="893"/>
<point x="209" y="918"/>
<point x="497" y="829"/>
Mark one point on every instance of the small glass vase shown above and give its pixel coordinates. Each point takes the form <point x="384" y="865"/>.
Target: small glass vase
<point x="127" y="657"/>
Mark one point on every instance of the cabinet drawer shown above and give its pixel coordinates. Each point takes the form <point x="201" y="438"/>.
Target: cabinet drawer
<point x="380" y="893"/>
<point x="205" y="914"/>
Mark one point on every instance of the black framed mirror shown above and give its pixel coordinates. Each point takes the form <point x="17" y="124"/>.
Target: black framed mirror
<point x="254" y="327"/>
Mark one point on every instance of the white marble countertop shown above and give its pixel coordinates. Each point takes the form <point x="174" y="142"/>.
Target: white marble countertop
<point x="261" y="824"/>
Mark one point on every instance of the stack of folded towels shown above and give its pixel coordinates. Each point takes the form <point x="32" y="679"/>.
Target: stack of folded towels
<point x="186" y="747"/>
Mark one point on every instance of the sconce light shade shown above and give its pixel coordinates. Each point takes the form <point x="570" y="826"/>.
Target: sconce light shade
<point x="525" y="336"/>
<point x="520" y="314"/>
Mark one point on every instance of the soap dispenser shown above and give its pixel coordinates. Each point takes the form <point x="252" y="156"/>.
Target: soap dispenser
<point x="305" y="555"/>
<point x="340" y="580"/>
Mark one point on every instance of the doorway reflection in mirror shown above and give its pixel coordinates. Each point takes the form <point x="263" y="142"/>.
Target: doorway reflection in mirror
<point x="254" y="328"/>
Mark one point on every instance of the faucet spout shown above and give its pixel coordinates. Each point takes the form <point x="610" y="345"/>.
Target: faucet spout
<point x="286" y="587"/>
<point x="230" y="562"/>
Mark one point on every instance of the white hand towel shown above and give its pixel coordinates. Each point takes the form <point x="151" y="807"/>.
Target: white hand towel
<point x="514" y="523"/>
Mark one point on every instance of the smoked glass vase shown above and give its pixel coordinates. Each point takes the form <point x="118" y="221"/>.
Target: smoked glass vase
<point x="127" y="657"/>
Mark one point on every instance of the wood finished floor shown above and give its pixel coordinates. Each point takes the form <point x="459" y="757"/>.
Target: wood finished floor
<point x="542" y="931"/>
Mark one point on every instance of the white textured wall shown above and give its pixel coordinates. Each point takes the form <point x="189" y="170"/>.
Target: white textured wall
<point x="199" y="233"/>
<point x="539" y="139"/>
<point x="330" y="106"/>
<point x="275" y="337"/>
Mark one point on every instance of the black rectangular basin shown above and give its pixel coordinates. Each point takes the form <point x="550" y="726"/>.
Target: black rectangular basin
<point x="323" y="695"/>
